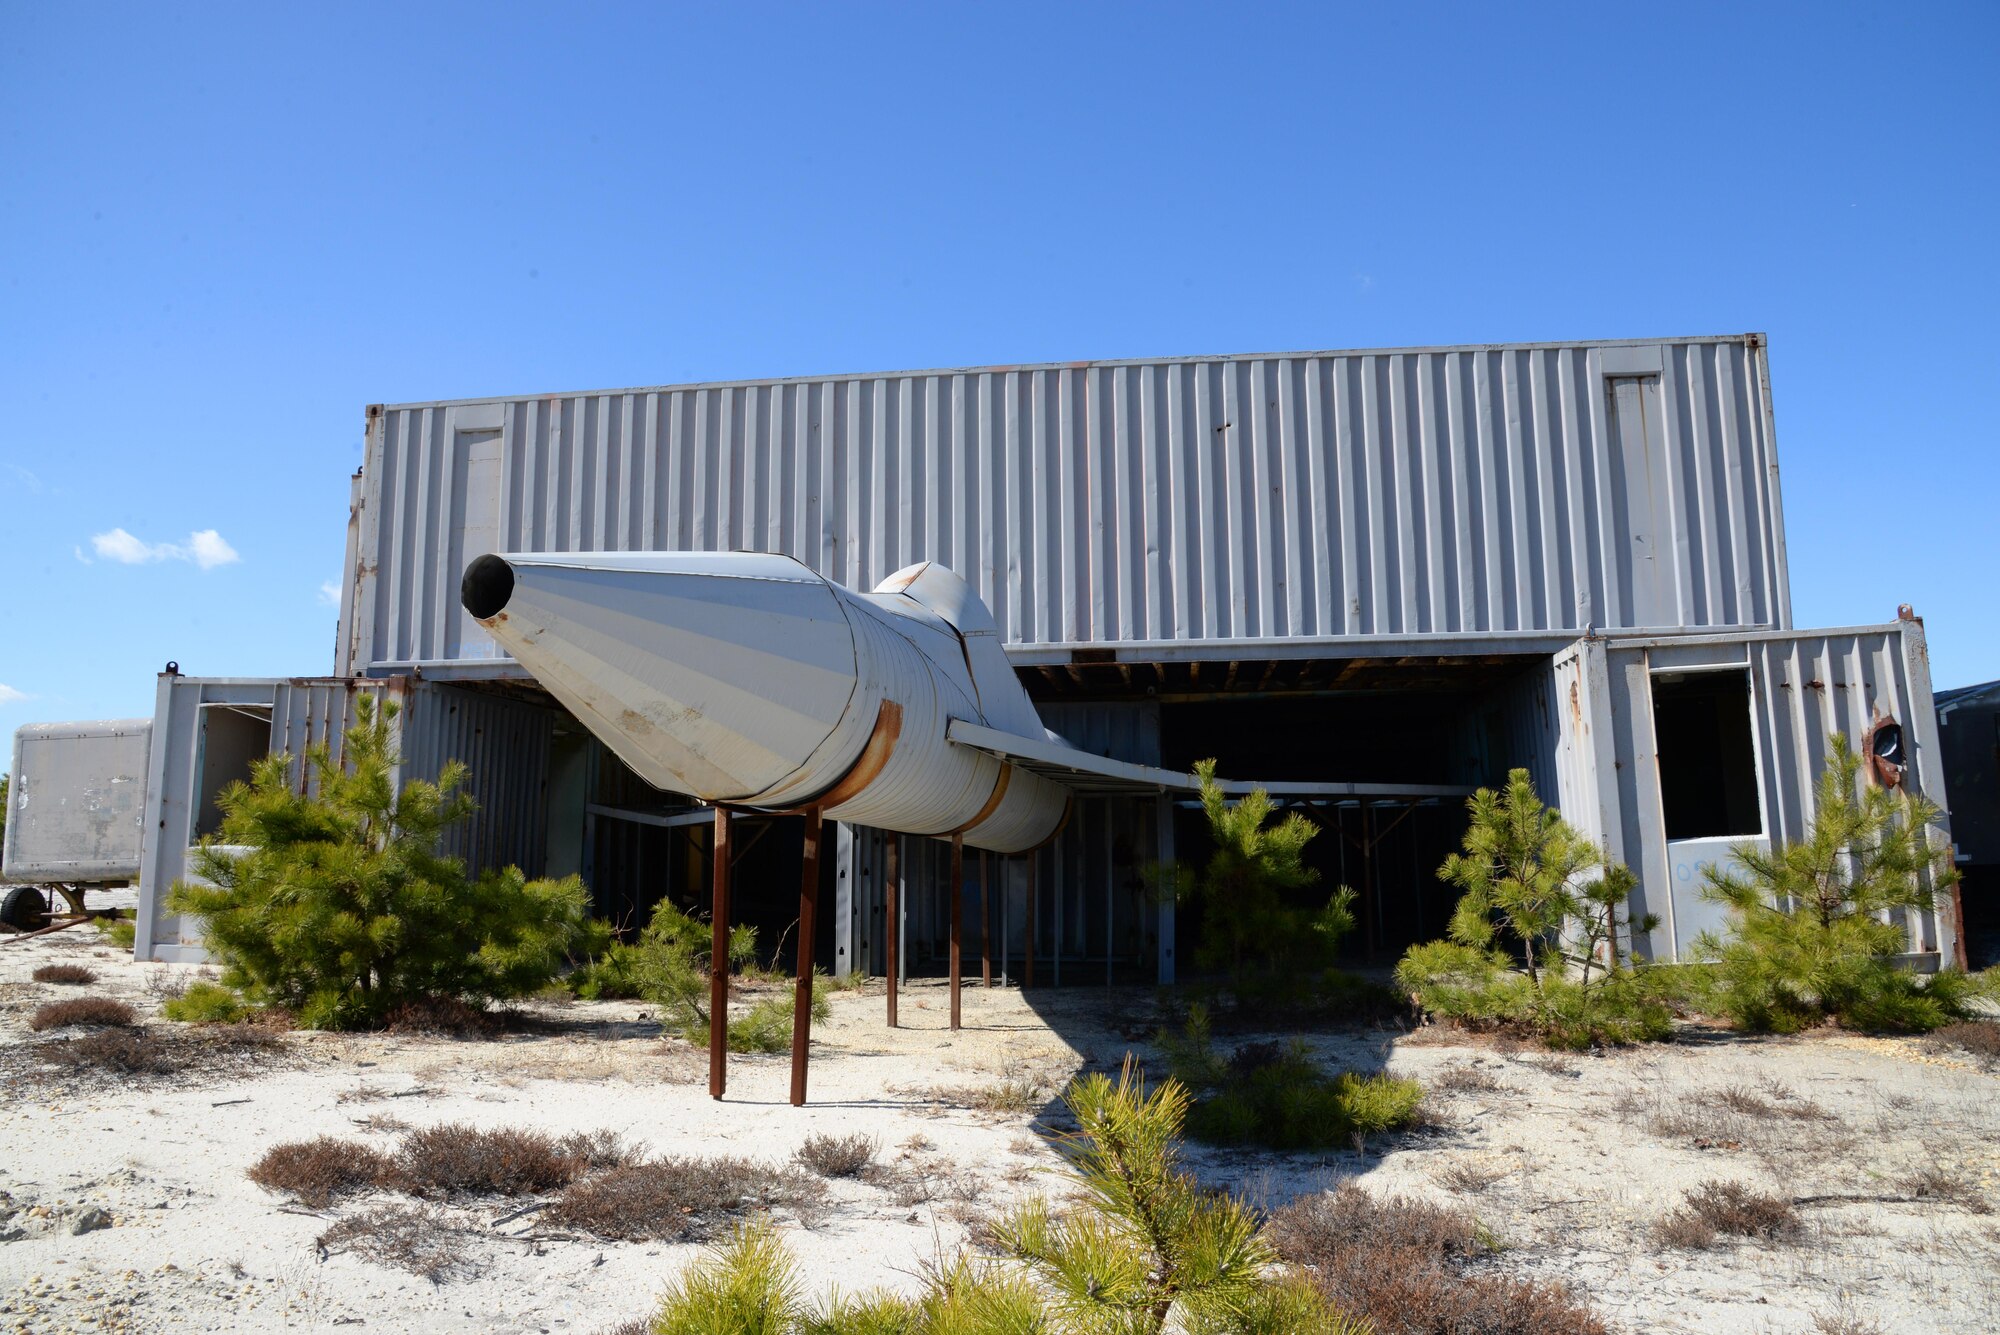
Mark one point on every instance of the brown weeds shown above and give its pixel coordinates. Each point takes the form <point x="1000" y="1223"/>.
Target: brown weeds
<point x="420" y="1239"/>
<point x="1406" y="1267"/>
<point x="1980" y="1038"/>
<point x="681" y="1200"/>
<point x="82" y="1010"/>
<point x="442" y="1017"/>
<point x="74" y="975"/>
<point x="1716" y="1208"/>
<point x="316" y="1172"/>
<point x="453" y="1159"/>
<point x="836" y="1156"/>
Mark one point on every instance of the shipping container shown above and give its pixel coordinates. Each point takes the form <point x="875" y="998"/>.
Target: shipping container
<point x="1672" y="750"/>
<point x="211" y="730"/>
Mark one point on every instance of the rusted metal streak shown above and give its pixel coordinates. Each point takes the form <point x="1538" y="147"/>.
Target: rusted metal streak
<point x="881" y="743"/>
<point x="992" y="802"/>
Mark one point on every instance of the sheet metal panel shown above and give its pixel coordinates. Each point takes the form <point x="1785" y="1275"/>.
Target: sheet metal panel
<point x="76" y="801"/>
<point x="1414" y="492"/>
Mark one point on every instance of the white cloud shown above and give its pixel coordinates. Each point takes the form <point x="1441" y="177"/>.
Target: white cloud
<point x="206" y="548"/>
<point x="329" y="594"/>
<point x="8" y="695"/>
<point x="210" y="550"/>
<point x="81" y="557"/>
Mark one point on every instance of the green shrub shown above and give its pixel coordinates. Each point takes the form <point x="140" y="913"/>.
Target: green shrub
<point x="671" y="967"/>
<point x="1815" y="926"/>
<point x="206" y="1003"/>
<point x="1277" y="1096"/>
<point x="610" y="975"/>
<point x="342" y="910"/>
<point x="1531" y="883"/>
<point x="1291" y="1104"/>
<point x="1274" y="952"/>
<point x="118" y="929"/>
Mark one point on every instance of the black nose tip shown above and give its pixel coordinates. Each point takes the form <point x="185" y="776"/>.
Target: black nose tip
<point x="486" y="587"/>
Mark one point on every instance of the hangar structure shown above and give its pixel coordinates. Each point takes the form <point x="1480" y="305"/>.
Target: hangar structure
<point x="1368" y="581"/>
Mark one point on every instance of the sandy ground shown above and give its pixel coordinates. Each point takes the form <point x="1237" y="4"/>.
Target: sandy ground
<point x="1570" y="1160"/>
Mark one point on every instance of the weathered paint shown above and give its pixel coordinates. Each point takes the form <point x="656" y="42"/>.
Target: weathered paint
<point x="76" y="801"/>
<point x="1412" y="493"/>
<point x="747" y="679"/>
<point x="1804" y="687"/>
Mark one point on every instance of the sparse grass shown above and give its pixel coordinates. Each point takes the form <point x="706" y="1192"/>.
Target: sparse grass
<point x="1932" y="1183"/>
<point x="1468" y="1178"/>
<point x="1843" y="1322"/>
<point x="142" y="1052"/>
<point x="316" y="1172"/>
<point x="1464" y="1078"/>
<point x="1013" y="1096"/>
<point x="681" y="1200"/>
<point x="420" y="1239"/>
<point x="452" y="1159"/>
<point x="1716" y="1208"/>
<point x="117" y="1051"/>
<point x="70" y="975"/>
<point x="1407" y="1267"/>
<point x="917" y="1176"/>
<point x="80" y="1011"/>
<point x="1782" y="1103"/>
<point x="836" y="1156"/>
<point x="1980" y="1038"/>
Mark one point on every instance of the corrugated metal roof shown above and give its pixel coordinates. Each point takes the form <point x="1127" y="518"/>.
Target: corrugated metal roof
<point x="1408" y="492"/>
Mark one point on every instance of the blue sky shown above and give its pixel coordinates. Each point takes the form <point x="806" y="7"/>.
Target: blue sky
<point x="225" y="229"/>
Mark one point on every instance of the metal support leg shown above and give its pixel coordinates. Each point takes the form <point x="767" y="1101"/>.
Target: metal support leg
<point x="892" y="885"/>
<point x="718" y="959"/>
<point x="957" y="917"/>
<point x="802" y="994"/>
<point x="985" y="918"/>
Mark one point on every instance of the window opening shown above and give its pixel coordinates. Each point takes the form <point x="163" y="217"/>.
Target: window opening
<point x="1707" y="754"/>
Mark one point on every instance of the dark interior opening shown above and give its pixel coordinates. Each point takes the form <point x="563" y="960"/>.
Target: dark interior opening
<point x="232" y="740"/>
<point x="1708" y="761"/>
<point x="1387" y="849"/>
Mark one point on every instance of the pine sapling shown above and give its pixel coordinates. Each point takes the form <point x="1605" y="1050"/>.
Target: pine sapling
<point x="1816" y="925"/>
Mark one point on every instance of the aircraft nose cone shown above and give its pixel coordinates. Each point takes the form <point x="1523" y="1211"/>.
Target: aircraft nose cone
<point x="486" y="586"/>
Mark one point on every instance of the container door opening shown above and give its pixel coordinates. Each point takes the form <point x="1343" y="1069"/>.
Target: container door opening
<point x="1708" y="759"/>
<point x="233" y="739"/>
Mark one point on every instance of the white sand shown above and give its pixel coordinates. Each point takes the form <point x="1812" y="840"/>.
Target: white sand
<point x="1580" y="1159"/>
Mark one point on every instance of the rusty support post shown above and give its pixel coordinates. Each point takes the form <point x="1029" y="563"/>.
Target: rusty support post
<point x="718" y="959"/>
<point x="891" y="877"/>
<point x="1028" y="941"/>
<point x="985" y="918"/>
<point x="957" y="917"/>
<point x="802" y="994"/>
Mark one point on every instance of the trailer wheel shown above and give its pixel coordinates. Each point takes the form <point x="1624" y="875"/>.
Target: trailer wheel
<point x="24" y="909"/>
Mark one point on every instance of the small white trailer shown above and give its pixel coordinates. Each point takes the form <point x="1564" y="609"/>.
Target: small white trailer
<point x="76" y="808"/>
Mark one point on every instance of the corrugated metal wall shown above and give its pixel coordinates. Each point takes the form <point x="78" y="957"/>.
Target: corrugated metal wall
<point x="1432" y="492"/>
<point x="504" y="742"/>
